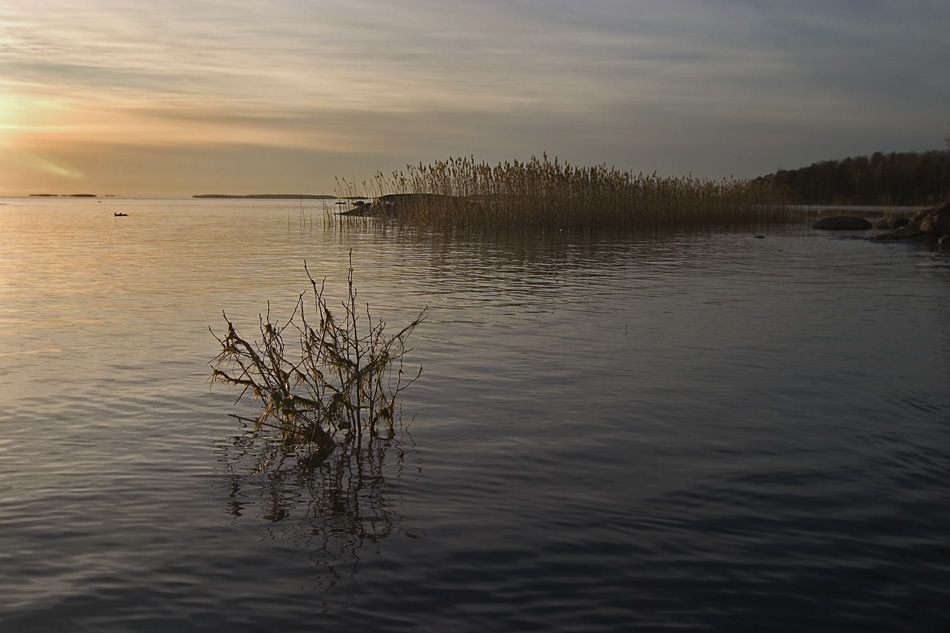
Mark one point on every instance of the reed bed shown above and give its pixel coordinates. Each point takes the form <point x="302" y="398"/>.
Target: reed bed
<point x="546" y="195"/>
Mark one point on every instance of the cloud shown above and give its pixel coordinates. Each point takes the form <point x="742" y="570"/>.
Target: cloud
<point x="28" y="161"/>
<point x="617" y="81"/>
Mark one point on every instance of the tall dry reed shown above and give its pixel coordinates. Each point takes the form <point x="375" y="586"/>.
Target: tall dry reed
<point x="548" y="195"/>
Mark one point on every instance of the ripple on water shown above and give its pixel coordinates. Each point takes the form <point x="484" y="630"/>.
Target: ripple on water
<point x="702" y="432"/>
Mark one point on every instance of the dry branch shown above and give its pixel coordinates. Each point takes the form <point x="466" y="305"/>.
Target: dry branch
<point x="341" y="385"/>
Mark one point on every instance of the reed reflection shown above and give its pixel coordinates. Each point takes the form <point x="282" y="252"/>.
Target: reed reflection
<point x="333" y="510"/>
<point x="315" y="463"/>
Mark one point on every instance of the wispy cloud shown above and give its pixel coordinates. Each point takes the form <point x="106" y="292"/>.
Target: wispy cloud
<point x="43" y="165"/>
<point x="682" y="85"/>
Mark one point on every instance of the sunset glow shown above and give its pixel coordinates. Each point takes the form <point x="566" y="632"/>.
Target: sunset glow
<point x="130" y="97"/>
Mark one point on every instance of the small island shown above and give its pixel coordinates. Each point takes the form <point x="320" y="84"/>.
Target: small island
<point x="70" y="195"/>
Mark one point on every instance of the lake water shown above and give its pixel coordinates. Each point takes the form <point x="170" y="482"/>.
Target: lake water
<point x="696" y="432"/>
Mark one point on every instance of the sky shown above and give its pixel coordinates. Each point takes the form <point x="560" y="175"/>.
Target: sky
<point x="180" y="97"/>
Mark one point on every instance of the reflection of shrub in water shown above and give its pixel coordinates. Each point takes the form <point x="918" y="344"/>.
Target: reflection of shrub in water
<point x="340" y="389"/>
<point x="333" y="511"/>
<point x="345" y="493"/>
<point x="316" y="459"/>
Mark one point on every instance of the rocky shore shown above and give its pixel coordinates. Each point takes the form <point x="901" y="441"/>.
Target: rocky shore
<point x="927" y="225"/>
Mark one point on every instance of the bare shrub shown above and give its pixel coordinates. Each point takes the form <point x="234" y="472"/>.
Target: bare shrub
<point x="322" y="380"/>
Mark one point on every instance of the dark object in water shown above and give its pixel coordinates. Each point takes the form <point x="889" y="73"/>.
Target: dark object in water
<point x="891" y="222"/>
<point x="842" y="223"/>
<point x="401" y="204"/>
<point x="121" y="215"/>
<point x="930" y="225"/>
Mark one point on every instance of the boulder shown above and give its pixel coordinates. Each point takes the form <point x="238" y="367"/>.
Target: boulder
<point x="928" y="224"/>
<point x="891" y="222"/>
<point x="397" y="204"/>
<point x="842" y="223"/>
<point x="365" y="210"/>
<point x="908" y="231"/>
<point x="934" y="222"/>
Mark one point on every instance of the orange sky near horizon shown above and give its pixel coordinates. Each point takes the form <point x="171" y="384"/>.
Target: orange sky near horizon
<point x="181" y="98"/>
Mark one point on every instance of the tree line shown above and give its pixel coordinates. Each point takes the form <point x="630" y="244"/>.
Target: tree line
<point x="898" y="178"/>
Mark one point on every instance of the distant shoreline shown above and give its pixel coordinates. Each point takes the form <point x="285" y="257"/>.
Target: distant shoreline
<point x="63" y="195"/>
<point x="278" y="196"/>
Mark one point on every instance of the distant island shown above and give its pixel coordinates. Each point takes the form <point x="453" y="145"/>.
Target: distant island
<point x="70" y="195"/>
<point x="270" y="196"/>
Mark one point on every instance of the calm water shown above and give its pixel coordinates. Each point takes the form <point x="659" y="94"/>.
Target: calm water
<point x="710" y="432"/>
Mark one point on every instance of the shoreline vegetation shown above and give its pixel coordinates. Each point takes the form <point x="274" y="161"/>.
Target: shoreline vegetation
<point x="541" y="194"/>
<point x="895" y="179"/>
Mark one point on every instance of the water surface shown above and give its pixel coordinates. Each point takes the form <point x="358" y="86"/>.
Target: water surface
<point x="704" y="432"/>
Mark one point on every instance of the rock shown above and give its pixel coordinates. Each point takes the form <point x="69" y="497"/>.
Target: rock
<point x="908" y="231"/>
<point x="928" y="224"/>
<point x="842" y="223"/>
<point x="363" y="209"/>
<point x="891" y="222"/>
<point x="404" y="203"/>
<point x="934" y="222"/>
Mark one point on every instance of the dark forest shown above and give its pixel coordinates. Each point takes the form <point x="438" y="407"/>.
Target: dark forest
<point x="897" y="178"/>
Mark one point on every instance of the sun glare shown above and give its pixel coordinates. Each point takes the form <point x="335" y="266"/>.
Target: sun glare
<point x="25" y="127"/>
<point x="26" y="117"/>
<point x="8" y="119"/>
